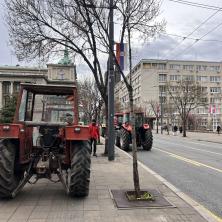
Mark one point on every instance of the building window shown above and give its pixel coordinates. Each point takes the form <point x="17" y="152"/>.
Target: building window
<point x="161" y="66"/>
<point x="174" y="66"/>
<point x="204" y="89"/>
<point x="162" y="77"/>
<point x="188" y="77"/>
<point x="215" y="100"/>
<point x="162" y="89"/>
<point x="6" y="87"/>
<point x="201" y="68"/>
<point x="188" y="67"/>
<point x="202" y="78"/>
<point x="214" y="68"/>
<point x="203" y="122"/>
<point x="201" y="110"/>
<point x="174" y="77"/>
<point x="16" y="87"/>
<point x="215" y="78"/>
<point x="215" y="89"/>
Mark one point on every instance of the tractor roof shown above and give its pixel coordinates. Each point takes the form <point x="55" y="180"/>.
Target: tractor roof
<point x="49" y="89"/>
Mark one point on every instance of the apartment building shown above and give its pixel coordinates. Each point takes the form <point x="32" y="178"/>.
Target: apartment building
<point x="150" y="77"/>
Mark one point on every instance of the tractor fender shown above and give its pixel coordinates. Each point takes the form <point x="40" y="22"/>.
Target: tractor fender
<point x="77" y="132"/>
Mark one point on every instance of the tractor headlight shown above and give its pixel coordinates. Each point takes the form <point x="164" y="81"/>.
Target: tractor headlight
<point x="6" y="128"/>
<point x="77" y="129"/>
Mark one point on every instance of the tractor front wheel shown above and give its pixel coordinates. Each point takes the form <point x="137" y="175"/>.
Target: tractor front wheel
<point x="148" y="142"/>
<point x="124" y="140"/>
<point x="80" y="169"/>
<point x="9" y="179"/>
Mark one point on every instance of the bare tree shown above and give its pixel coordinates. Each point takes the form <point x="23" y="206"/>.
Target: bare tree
<point x="187" y="95"/>
<point x="90" y="100"/>
<point x="154" y="107"/>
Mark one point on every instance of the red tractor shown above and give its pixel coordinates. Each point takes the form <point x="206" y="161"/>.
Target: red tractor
<point x="144" y="135"/>
<point x="35" y="147"/>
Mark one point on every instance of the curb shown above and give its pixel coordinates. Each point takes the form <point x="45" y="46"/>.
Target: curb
<point x="206" y="214"/>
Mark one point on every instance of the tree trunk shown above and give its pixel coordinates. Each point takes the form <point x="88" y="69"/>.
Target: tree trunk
<point x="157" y="125"/>
<point x="184" y="126"/>
<point x="106" y="133"/>
<point x="134" y="145"/>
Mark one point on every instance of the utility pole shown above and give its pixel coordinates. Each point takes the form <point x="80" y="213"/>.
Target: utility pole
<point x="161" y="106"/>
<point x="111" y="132"/>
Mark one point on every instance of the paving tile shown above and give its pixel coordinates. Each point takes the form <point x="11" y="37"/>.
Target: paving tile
<point x="37" y="220"/>
<point x="39" y="215"/>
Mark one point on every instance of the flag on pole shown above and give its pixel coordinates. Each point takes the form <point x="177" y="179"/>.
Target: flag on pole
<point x="214" y="109"/>
<point x="122" y="55"/>
<point x="210" y="109"/>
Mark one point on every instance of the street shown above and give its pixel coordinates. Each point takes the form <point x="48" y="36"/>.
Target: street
<point x="195" y="167"/>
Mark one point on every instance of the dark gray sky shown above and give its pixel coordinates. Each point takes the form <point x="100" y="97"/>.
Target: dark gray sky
<point x="181" y="20"/>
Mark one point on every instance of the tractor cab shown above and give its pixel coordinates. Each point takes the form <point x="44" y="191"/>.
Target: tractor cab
<point x="118" y="120"/>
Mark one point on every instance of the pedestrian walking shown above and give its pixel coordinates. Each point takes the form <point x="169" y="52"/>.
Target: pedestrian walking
<point x="181" y="129"/>
<point x="175" y="128"/>
<point x="94" y="136"/>
<point x="218" y="129"/>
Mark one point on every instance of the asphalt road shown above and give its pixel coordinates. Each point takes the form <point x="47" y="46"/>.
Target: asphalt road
<point x="195" y="167"/>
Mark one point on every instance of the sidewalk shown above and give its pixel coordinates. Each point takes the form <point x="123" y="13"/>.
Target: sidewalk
<point x="208" y="137"/>
<point x="47" y="202"/>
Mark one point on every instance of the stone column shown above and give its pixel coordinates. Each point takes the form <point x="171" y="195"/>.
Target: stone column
<point x="11" y="88"/>
<point x="1" y="105"/>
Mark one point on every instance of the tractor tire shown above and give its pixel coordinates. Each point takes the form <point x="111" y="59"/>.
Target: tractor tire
<point x="148" y="142"/>
<point x="117" y="143"/>
<point x="8" y="178"/>
<point x="124" y="140"/>
<point x="117" y="138"/>
<point x="80" y="169"/>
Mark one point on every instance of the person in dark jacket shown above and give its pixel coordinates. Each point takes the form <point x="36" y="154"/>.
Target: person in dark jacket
<point x="181" y="129"/>
<point x="94" y="135"/>
<point x="218" y="129"/>
<point x="175" y="128"/>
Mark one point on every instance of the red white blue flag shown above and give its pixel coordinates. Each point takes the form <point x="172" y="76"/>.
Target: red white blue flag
<point x="121" y="55"/>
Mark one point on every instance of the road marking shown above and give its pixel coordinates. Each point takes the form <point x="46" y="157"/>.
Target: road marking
<point x="219" y="219"/>
<point x="189" y="160"/>
<point x="195" y="148"/>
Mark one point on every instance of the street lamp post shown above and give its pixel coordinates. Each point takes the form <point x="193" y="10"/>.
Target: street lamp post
<point x="161" y="112"/>
<point x="111" y="87"/>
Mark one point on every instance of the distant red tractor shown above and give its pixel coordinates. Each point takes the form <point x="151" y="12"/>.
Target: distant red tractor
<point x="123" y="128"/>
<point x="35" y="147"/>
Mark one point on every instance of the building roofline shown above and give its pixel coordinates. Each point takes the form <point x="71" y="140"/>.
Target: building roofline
<point x="22" y="68"/>
<point x="174" y="60"/>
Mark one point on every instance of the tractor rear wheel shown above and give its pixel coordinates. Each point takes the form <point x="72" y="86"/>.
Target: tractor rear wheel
<point x="148" y="142"/>
<point x="124" y="139"/>
<point x="9" y="180"/>
<point x="80" y="169"/>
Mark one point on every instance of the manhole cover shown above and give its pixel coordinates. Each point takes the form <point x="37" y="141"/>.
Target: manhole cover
<point x="122" y="202"/>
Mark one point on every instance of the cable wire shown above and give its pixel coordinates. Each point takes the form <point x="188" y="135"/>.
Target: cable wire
<point x="202" y="23"/>
<point x="197" y="40"/>
<point x="199" y="5"/>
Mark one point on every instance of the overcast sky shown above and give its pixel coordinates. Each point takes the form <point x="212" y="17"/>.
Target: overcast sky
<point x="181" y="20"/>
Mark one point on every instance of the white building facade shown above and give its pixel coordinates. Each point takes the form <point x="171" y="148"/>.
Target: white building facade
<point x="150" y="77"/>
<point x="11" y="77"/>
